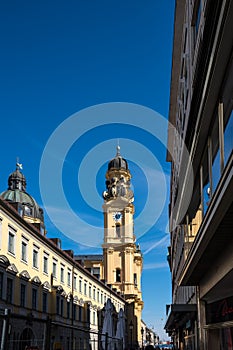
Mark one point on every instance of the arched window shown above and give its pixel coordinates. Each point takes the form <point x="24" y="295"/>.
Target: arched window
<point x="118" y="275"/>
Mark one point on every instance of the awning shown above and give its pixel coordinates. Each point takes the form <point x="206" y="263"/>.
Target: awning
<point x="179" y="314"/>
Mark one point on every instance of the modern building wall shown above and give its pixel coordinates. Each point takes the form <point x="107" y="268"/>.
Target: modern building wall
<point x="200" y="147"/>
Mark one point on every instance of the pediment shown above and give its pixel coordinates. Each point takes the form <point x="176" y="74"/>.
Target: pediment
<point x="81" y="301"/>
<point x="46" y="285"/>
<point x="4" y="261"/>
<point x="12" y="268"/>
<point x="59" y="289"/>
<point x="25" y="274"/>
<point x="36" y="280"/>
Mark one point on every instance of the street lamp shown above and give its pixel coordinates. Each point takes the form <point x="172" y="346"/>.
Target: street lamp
<point x="131" y="334"/>
<point x="142" y="332"/>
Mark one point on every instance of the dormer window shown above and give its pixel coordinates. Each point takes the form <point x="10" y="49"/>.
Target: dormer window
<point x="27" y="210"/>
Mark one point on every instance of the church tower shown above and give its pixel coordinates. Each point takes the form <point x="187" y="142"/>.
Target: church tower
<point x="122" y="257"/>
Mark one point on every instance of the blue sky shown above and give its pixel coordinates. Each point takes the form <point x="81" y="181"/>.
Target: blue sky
<point x="60" y="58"/>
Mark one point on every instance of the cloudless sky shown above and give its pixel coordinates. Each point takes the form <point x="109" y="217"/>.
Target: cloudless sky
<point x="60" y="57"/>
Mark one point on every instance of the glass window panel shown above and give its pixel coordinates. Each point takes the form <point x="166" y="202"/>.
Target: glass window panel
<point x="9" y="290"/>
<point x="11" y="243"/>
<point x="68" y="309"/>
<point x="35" y="258"/>
<point x="62" y="307"/>
<point x="75" y="282"/>
<point x="216" y="174"/>
<point x="45" y="267"/>
<point x="62" y="274"/>
<point x="80" y="286"/>
<point x="68" y="278"/>
<point x="57" y="304"/>
<point x="1" y="284"/>
<point x="85" y="288"/>
<point x="54" y="269"/>
<point x="22" y="294"/>
<point x="228" y="138"/>
<point x="44" y="302"/>
<point x="24" y="251"/>
<point x="34" y="298"/>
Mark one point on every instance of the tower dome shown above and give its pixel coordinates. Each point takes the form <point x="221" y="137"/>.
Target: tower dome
<point x="118" y="162"/>
<point x="16" y="194"/>
<point x="118" y="179"/>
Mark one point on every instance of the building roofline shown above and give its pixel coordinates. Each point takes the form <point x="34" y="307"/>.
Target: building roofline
<point x="10" y="210"/>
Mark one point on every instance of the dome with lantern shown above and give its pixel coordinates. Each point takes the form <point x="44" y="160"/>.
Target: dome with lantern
<point x="118" y="179"/>
<point x="16" y="194"/>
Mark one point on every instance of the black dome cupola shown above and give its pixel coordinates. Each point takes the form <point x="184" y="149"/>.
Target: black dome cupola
<point x="118" y="162"/>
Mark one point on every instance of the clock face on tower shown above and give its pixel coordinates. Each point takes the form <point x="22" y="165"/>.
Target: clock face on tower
<point x="117" y="216"/>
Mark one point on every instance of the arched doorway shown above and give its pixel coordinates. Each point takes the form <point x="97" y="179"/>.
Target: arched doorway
<point x="26" y="338"/>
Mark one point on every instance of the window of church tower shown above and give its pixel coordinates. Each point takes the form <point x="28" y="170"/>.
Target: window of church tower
<point x="118" y="230"/>
<point x="118" y="275"/>
<point x="135" y="279"/>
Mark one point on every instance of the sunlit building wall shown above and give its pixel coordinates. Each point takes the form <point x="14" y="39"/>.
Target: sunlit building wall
<point x="46" y="297"/>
